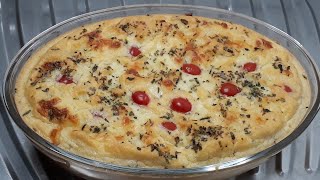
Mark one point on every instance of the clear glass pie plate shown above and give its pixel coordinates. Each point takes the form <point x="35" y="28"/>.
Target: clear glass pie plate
<point x="95" y="169"/>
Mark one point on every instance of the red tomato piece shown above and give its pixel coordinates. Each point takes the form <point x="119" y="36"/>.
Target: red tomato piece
<point x="191" y="69"/>
<point x="229" y="89"/>
<point x="141" y="98"/>
<point x="287" y="88"/>
<point x="65" y="79"/>
<point x="181" y="105"/>
<point x="250" y="66"/>
<point x="134" y="51"/>
<point x="171" y="126"/>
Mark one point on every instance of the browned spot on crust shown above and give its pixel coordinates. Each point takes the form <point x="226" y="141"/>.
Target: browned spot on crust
<point x="189" y="47"/>
<point x="258" y="43"/>
<point x="287" y="72"/>
<point x="115" y="44"/>
<point x="264" y="43"/>
<point x="48" y="109"/>
<point x="236" y="44"/>
<point x="195" y="56"/>
<point x="119" y="138"/>
<point x="230" y="118"/>
<point x="50" y="66"/>
<point x="202" y="56"/>
<point x="73" y="119"/>
<point x="118" y="92"/>
<point x="126" y="121"/>
<point x="224" y="25"/>
<point x="178" y="60"/>
<point x="147" y="139"/>
<point x="167" y="83"/>
<point x="96" y="41"/>
<point x="122" y="110"/>
<point x="94" y="34"/>
<point x="133" y="72"/>
<point x="129" y="133"/>
<point x="54" y="136"/>
<point x="259" y="120"/>
<point x="100" y="43"/>
<point x="45" y="70"/>
<point x="45" y="105"/>
<point x="183" y="125"/>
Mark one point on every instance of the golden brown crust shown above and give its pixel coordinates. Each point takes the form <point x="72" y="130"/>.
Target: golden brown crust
<point x="77" y="91"/>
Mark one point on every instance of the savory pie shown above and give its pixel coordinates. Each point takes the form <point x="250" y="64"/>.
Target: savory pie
<point x="166" y="91"/>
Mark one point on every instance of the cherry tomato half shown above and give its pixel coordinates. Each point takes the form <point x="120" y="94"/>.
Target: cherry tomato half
<point x="65" y="79"/>
<point x="171" y="126"/>
<point x="250" y="66"/>
<point x="181" y="105"/>
<point x="287" y="88"/>
<point x="134" y="51"/>
<point x="141" y="98"/>
<point x="191" y="69"/>
<point x="229" y="89"/>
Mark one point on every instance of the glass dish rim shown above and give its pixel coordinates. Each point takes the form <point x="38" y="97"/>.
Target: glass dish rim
<point x="60" y="153"/>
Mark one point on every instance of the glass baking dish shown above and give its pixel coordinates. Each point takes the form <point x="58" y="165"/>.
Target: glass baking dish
<point x="95" y="169"/>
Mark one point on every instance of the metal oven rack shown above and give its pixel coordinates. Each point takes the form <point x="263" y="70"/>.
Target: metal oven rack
<point x="20" y="20"/>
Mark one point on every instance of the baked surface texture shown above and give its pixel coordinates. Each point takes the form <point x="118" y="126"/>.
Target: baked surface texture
<point x="77" y="91"/>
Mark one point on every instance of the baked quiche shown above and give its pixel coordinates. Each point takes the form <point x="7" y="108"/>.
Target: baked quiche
<point x="164" y="91"/>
